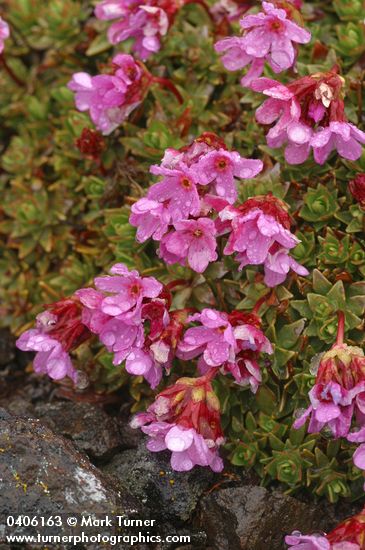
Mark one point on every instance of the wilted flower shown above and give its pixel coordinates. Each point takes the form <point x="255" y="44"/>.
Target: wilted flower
<point x="185" y="419"/>
<point x="260" y="234"/>
<point x="357" y="188"/>
<point x="145" y="22"/>
<point x="267" y="37"/>
<point x="4" y="33"/>
<point x="310" y="114"/>
<point x="59" y="330"/>
<point x="229" y="341"/>
<point x="110" y="98"/>
<point x="230" y="10"/>
<point x="90" y="143"/>
<point x="338" y="392"/>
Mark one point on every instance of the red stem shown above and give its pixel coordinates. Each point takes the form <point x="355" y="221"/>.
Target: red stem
<point x="166" y="83"/>
<point x="340" y="328"/>
<point x="259" y="303"/>
<point x="211" y="374"/>
<point x="10" y="72"/>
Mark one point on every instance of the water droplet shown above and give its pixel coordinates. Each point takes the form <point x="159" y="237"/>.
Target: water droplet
<point x="211" y="314"/>
<point x="314" y="364"/>
<point x="82" y="381"/>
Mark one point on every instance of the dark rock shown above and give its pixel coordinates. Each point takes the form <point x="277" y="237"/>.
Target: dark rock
<point x="18" y="406"/>
<point x="170" y="495"/>
<point x="130" y="437"/>
<point x="252" y="518"/>
<point x="7" y="347"/>
<point x="42" y="474"/>
<point x="90" y="428"/>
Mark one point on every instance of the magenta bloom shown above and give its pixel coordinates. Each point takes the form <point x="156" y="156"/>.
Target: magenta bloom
<point x="51" y="358"/>
<point x="296" y="541"/>
<point x="267" y="37"/>
<point x="188" y="426"/>
<point x="220" y="167"/>
<point x="260" y="235"/>
<point x="178" y="188"/>
<point x="110" y="98"/>
<point x="128" y="290"/>
<point x="338" y="393"/>
<point x="4" y="33"/>
<point x="277" y="266"/>
<point x="152" y="219"/>
<point x="145" y="22"/>
<point x="59" y="330"/>
<point x="342" y="137"/>
<point x="123" y="332"/>
<point x="310" y="115"/>
<point x="227" y="341"/>
<point x="192" y="241"/>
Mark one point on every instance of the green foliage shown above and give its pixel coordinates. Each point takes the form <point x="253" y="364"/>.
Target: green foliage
<point x="64" y="217"/>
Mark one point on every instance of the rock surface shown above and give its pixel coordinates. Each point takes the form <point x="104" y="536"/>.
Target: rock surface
<point x="91" y="429"/>
<point x="42" y="473"/>
<point x="173" y="496"/>
<point x="252" y="518"/>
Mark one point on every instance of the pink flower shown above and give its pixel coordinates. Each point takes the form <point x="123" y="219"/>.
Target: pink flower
<point x="220" y="167"/>
<point x="110" y="98"/>
<point x="188" y="426"/>
<point x="342" y="137"/>
<point x="260" y="235"/>
<point x="310" y="115"/>
<point x="296" y="541"/>
<point x="277" y="266"/>
<point x="59" y="330"/>
<point x="178" y="188"/>
<point x="145" y="23"/>
<point x="338" y="391"/>
<point x="267" y="37"/>
<point x="192" y="241"/>
<point x="123" y="332"/>
<point x="152" y="219"/>
<point x="4" y="33"/>
<point x="127" y="289"/>
<point x="227" y="341"/>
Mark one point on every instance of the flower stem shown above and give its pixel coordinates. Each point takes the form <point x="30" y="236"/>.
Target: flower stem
<point x="260" y="302"/>
<point x="10" y="71"/>
<point x="212" y="373"/>
<point x="166" y="83"/>
<point x="340" y="328"/>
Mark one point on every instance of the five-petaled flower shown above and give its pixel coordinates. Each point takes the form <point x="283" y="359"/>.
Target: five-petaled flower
<point x="269" y="36"/>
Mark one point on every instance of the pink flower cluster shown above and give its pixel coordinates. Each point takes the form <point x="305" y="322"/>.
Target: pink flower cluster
<point x="260" y="234"/>
<point x="185" y="419"/>
<point x="268" y="37"/>
<point x="110" y="98"/>
<point x="4" y="33"/>
<point x="231" y="342"/>
<point x="146" y="22"/>
<point x="117" y="311"/>
<point x="58" y="331"/>
<point x="176" y="210"/>
<point x="310" y="115"/>
<point x="192" y="207"/>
